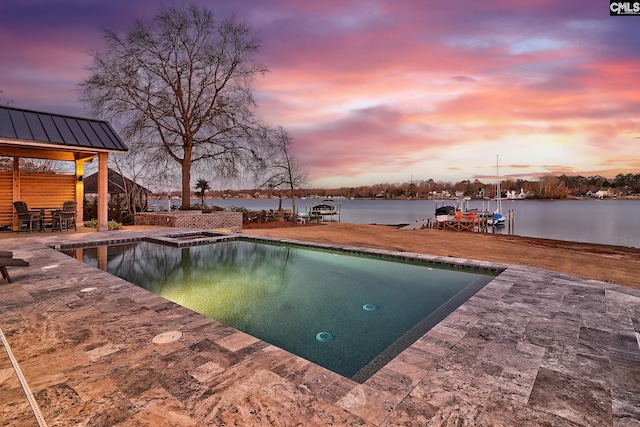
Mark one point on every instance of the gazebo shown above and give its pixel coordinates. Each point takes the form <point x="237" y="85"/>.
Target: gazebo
<point x="40" y="135"/>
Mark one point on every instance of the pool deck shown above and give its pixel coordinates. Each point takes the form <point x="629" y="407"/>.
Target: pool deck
<point x="533" y="347"/>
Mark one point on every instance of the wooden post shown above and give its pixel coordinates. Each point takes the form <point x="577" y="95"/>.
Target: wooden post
<point x="511" y="219"/>
<point x="16" y="188"/>
<point x="103" y="191"/>
<point x="79" y="192"/>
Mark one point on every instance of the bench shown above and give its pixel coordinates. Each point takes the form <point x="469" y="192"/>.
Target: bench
<point x="7" y="260"/>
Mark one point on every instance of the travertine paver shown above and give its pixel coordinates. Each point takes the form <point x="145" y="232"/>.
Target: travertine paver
<point x="532" y="348"/>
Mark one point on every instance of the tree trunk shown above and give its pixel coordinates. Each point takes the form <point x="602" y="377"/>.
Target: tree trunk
<point x="294" y="215"/>
<point x="186" y="180"/>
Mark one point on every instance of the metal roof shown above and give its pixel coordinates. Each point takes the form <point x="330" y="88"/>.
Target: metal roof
<point x="57" y="131"/>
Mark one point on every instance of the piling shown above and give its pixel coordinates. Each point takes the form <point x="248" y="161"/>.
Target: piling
<point x="511" y="218"/>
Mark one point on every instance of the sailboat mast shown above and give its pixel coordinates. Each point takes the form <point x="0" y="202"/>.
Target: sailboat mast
<point x="498" y="195"/>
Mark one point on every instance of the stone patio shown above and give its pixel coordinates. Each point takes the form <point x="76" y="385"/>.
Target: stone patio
<point x="531" y="348"/>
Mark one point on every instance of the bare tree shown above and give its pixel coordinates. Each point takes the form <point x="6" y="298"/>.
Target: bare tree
<point x="45" y="166"/>
<point x="181" y="84"/>
<point x="551" y="187"/>
<point x="283" y="169"/>
<point x="35" y="165"/>
<point x="4" y="100"/>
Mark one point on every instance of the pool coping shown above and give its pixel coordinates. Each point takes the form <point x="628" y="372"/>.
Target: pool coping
<point x="512" y="352"/>
<point x="196" y="238"/>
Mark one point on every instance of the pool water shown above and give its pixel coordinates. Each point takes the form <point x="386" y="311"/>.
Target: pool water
<point x="349" y="313"/>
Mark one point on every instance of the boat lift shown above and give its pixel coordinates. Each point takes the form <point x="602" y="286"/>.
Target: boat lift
<point x="328" y="208"/>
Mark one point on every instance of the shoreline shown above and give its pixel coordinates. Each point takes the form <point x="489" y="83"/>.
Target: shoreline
<point x="164" y="198"/>
<point x="592" y="221"/>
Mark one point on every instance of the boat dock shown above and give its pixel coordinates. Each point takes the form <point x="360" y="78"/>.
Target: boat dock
<point x="460" y="221"/>
<point x="325" y="210"/>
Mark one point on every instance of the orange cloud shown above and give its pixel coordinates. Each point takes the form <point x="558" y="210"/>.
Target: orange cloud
<point x="385" y="90"/>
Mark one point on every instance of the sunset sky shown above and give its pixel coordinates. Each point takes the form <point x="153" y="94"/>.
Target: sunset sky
<point x="389" y="91"/>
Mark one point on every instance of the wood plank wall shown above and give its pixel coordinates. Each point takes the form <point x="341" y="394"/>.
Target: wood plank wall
<point x="6" y="198"/>
<point x="37" y="190"/>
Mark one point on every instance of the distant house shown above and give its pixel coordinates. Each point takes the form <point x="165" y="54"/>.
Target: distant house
<point x="440" y="194"/>
<point x="512" y="195"/>
<point x="600" y="194"/>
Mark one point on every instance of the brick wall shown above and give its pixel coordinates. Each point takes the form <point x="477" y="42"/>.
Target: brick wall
<point x="193" y="219"/>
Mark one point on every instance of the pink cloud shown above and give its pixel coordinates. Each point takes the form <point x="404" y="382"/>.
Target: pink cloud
<point x="392" y="87"/>
<point x="370" y="137"/>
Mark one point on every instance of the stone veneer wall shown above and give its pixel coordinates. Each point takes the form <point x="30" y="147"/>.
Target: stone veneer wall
<point x="193" y="219"/>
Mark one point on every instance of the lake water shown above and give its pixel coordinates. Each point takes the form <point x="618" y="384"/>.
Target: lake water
<point x="611" y="222"/>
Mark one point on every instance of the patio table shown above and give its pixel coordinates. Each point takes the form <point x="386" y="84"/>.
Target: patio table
<point x="43" y="211"/>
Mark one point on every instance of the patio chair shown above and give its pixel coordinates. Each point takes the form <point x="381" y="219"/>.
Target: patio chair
<point x="65" y="217"/>
<point x="27" y="220"/>
<point x="7" y="260"/>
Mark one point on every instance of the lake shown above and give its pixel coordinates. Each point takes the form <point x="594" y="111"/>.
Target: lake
<point x="611" y="222"/>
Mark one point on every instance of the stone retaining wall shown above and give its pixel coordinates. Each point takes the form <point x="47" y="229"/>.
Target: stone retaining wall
<point x="193" y="219"/>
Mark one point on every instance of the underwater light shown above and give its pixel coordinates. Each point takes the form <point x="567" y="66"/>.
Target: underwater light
<point x="324" y="336"/>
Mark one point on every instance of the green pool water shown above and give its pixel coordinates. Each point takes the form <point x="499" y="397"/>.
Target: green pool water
<point x="349" y="313"/>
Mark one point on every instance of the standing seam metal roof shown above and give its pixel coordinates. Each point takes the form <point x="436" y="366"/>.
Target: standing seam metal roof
<point x="58" y="130"/>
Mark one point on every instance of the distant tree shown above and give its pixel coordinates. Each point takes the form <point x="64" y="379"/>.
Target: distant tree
<point x="461" y="186"/>
<point x="509" y="185"/>
<point x="4" y="100"/>
<point x="551" y="187"/>
<point x="34" y="165"/>
<point x="180" y="85"/>
<point x="596" y="181"/>
<point x="43" y="166"/>
<point x="620" y="181"/>
<point x="202" y="186"/>
<point x="283" y="169"/>
<point x="425" y="187"/>
<point x="629" y="182"/>
<point x="412" y="190"/>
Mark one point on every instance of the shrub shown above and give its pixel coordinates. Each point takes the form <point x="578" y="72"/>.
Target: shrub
<point x="112" y="225"/>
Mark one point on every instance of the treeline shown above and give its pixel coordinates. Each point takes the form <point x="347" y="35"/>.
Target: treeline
<point x="546" y="187"/>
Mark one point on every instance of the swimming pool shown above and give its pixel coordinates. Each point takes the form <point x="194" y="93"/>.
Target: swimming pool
<point x="348" y="312"/>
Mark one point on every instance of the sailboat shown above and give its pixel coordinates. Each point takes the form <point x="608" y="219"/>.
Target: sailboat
<point x="497" y="219"/>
